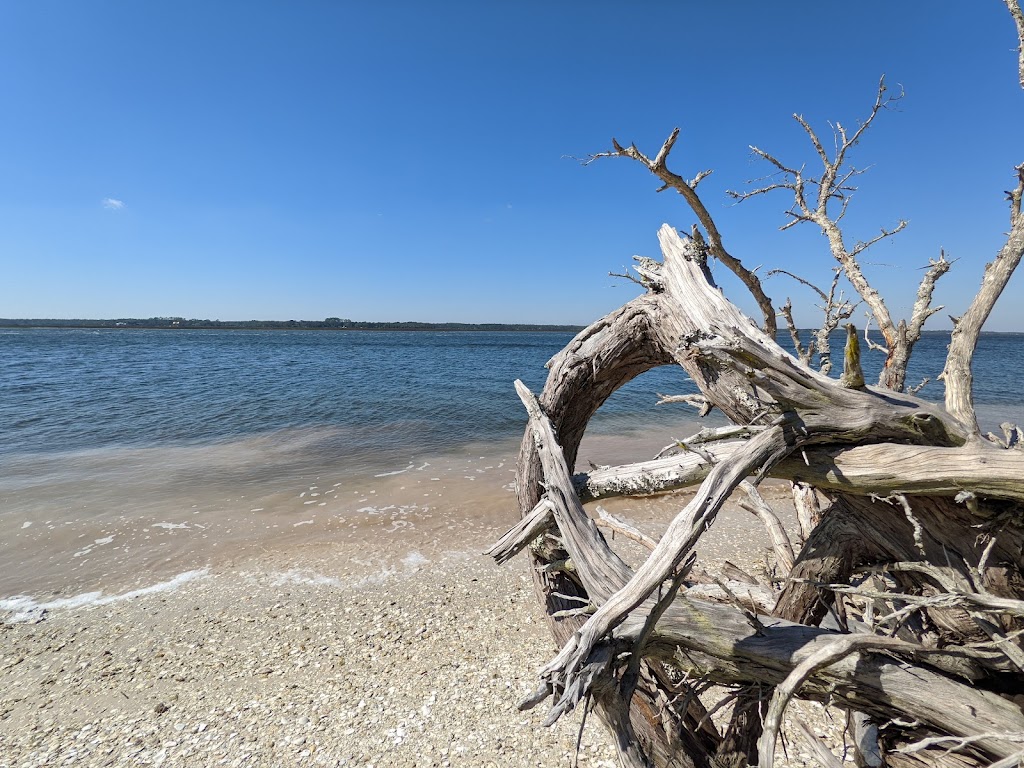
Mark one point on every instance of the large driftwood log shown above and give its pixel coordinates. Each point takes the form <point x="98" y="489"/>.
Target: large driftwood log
<point x="644" y="648"/>
<point x="881" y="468"/>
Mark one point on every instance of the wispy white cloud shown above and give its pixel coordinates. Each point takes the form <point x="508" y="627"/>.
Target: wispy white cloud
<point x="113" y="204"/>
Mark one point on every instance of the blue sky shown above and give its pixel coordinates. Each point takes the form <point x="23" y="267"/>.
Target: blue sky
<point x="407" y="161"/>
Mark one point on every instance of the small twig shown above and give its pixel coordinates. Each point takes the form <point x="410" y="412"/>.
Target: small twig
<point x="627" y="276"/>
<point x="695" y="448"/>
<point x="958" y="742"/>
<point x="572" y="598"/>
<point x="943" y="599"/>
<point x="867" y="338"/>
<point x="710" y="435"/>
<point x="914" y="390"/>
<point x="800" y="280"/>
<point x="864" y="245"/>
<point x="701" y="403"/>
<point x="606" y="520"/>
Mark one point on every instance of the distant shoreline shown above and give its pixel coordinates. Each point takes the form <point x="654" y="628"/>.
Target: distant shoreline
<point x="331" y="324"/>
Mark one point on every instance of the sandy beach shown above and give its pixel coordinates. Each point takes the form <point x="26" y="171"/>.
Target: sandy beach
<point x="248" y="603"/>
<point x="278" y="667"/>
<point x="304" y="659"/>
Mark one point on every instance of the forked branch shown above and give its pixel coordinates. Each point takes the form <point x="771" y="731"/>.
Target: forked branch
<point x="812" y="197"/>
<point x="834" y="308"/>
<point x="688" y="189"/>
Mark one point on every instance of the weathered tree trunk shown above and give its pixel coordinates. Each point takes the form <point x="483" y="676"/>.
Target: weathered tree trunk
<point x="918" y="529"/>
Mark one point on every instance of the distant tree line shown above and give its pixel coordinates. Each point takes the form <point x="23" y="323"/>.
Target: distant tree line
<point x="330" y="323"/>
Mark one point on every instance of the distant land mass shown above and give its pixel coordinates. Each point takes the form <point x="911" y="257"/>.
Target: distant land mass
<point x="328" y="324"/>
<point x="342" y="324"/>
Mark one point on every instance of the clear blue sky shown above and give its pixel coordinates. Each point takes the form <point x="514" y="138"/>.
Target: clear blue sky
<point x="406" y="161"/>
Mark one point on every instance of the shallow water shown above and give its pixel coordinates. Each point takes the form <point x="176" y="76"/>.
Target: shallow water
<point x="129" y="457"/>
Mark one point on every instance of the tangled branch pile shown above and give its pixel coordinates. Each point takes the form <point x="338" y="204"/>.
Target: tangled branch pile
<point x="902" y="601"/>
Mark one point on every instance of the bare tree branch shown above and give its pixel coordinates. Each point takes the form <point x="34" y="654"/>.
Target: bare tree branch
<point x="867" y="338"/>
<point x="834" y="185"/>
<point x="800" y="280"/>
<point x="863" y="246"/>
<point x="922" y="306"/>
<point x="1018" y="18"/>
<point x="835" y="309"/>
<point x="688" y="189"/>
<point x="909" y="335"/>
<point x="805" y="353"/>
<point x="612" y="523"/>
<point x="839" y="648"/>
<point x="780" y="539"/>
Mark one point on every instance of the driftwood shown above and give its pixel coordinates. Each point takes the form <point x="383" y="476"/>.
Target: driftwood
<point x="902" y="592"/>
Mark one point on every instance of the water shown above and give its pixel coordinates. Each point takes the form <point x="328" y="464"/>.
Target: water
<point x="383" y="392"/>
<point x="129" y="457"/>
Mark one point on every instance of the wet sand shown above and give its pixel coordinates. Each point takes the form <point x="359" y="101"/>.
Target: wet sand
<point x="112" y="520"/>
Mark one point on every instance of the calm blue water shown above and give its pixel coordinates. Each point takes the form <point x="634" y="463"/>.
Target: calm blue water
<point x="62" y="390"/>
<point x="130" y="457"/>
<point x="68" y="389"/>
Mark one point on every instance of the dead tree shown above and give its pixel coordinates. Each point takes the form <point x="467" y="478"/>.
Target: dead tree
<point x="912" y="521"/>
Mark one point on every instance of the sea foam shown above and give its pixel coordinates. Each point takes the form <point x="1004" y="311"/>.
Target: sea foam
<point x="26" y="610"/>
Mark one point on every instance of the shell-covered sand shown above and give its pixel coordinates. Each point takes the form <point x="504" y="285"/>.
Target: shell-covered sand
<point x="280" y="661"/>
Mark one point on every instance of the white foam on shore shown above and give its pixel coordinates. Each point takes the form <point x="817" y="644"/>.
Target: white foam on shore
<point x="95" y="543"/>
<point x="396" y="472"/>
<point x="414" y="561"/>
<point x="26" y="610"/>
<point x="410" y="564"/>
